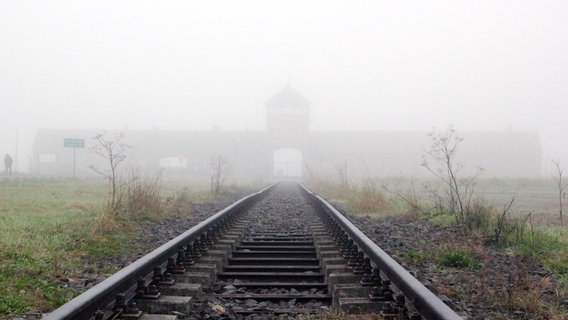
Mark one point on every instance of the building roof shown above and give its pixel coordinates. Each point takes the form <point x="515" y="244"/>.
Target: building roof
<point x="288" y="98"/>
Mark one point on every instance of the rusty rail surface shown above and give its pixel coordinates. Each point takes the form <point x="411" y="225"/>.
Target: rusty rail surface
<point x="98" y="301"/>
<point x="424" y="301"/>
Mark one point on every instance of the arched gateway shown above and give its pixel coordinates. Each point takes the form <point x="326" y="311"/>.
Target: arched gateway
<point x="287" y="164"/>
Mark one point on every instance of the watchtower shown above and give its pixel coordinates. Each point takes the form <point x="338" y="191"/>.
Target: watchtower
<point x="288" y="111"/>
<point x="288" y="124"/>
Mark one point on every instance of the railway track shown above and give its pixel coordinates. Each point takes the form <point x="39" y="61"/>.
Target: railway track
<point x="277" y="253"/>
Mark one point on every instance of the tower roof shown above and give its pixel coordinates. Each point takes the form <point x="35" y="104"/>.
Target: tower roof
<point x="288" y="98"/>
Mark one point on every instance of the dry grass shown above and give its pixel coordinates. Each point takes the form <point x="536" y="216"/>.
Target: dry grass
<point x="368" y="197"/>
<point x="137" y="198"/>
<point x="364" y="197"/>
<point x="525" y="295"/>
<point x="49" y="230"/>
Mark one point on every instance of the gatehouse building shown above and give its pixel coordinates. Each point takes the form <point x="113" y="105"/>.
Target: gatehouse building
<point x="289" y="149"/>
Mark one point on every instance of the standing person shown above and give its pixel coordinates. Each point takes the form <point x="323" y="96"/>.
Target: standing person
<point x="8" y="164"/>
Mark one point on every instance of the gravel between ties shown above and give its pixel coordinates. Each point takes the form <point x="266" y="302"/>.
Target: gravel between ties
<point x="280" y="212"/>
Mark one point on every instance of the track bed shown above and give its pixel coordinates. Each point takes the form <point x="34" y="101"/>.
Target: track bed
<point x="278" y="253"/>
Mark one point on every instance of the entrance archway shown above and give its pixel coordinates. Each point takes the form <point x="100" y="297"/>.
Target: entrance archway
<point x="288" y="163"/>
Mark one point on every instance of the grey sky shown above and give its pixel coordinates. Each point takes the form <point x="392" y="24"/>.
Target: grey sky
<point x="366" y="65"/>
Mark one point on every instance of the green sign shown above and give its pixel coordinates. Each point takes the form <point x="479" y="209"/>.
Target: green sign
<point x="73" y="143"/>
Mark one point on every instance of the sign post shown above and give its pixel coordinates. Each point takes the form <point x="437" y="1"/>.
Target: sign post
<point x="73" y="143"/>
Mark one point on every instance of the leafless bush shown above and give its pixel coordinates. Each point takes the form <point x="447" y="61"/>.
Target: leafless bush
<point x="131" y="196"/>
<point x="219" y="169"/>
<point x="113" y="150"/>
<point x="440" y="161"/>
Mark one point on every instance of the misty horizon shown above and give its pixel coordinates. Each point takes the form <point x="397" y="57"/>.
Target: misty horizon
<point x="476" y="66"/>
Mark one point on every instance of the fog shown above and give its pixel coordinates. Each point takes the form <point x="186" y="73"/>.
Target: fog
<point x="364" y="65"/>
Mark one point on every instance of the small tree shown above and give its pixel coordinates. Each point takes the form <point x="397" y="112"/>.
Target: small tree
<point x="219" y="168"/>
<point x="440" y="161"/>
<point x="113" y="150"/>
<point x="561" y="188"/>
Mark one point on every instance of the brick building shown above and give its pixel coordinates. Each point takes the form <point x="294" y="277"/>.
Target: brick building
<point x="288" y="149"/>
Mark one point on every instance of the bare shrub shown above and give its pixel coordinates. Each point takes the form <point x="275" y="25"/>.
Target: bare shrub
<point x="219" y="169"/>
<point x="504" y="226"/>
<point x="440" y="161"/>
<point x="113" y="150"/>
<point x="132" y="196"/>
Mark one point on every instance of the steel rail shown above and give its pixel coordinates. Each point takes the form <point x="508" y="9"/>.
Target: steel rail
<point x="424" y="301"/>
<point x="103" y="295"/>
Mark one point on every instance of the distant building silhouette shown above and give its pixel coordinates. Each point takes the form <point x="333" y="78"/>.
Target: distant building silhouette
<point x="288" y="149"/>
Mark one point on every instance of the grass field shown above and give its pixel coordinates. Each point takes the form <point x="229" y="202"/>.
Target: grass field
<point x="48" y="236"/>
<point x="45" y="233"/>
<point x="536" y="196"/>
